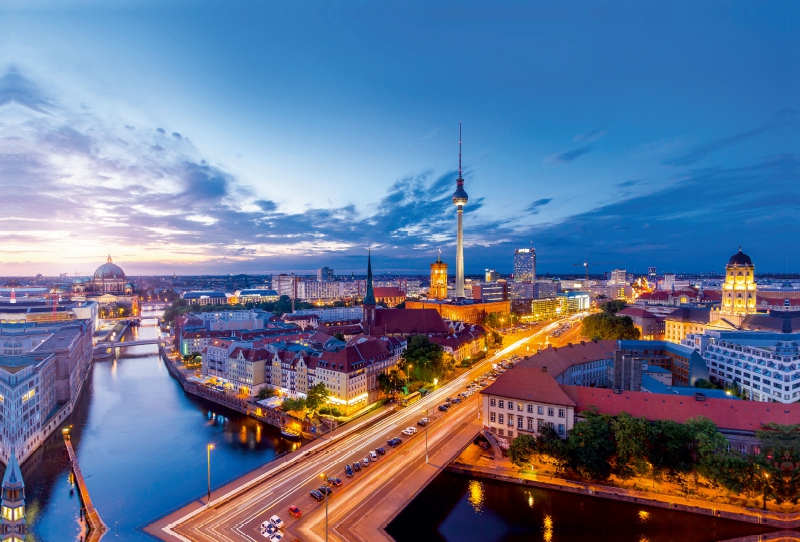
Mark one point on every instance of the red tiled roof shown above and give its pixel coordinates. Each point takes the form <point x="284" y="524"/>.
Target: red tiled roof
<point x="409" y="322"/>
<point x="355" y="356"/>
<point x="251" y="354"/>
<point x="725" y="413"/>
<point x="558" y="360"/>
<point x="529" y="384"/>
<point x="388" y="291"/>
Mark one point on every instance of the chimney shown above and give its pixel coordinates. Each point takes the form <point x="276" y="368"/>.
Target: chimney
<point x="544" y="368"/>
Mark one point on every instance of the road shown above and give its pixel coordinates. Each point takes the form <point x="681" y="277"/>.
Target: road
<point x="237" y="518"/>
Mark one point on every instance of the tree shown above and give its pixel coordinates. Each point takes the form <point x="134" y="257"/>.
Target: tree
<point x="339" y="335"/>
<point x="316" y="397"/>
<point x="551" y="448"/>
<point x="390" y="382"/>
<point x="265" y="393"/>
<point x="630" y="438"/>
<point x="590" y="446"/>
<point x="613" y="307"/>
<point x="669" y="449"/>
<point x="705" y="384"/>
<point x="610" y="328"/>
<point x="293" y="404"/>
<point x="426" y="359"/>
<point x="521" y="450"/>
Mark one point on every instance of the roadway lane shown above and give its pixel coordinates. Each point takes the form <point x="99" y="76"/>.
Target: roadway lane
<point x="237" y="518"/>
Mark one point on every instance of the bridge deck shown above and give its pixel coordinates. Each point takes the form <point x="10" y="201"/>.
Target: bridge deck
<point x="96" y="526"/>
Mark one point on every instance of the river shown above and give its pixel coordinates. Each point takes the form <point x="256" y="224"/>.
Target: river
<point x="141" y="444"/>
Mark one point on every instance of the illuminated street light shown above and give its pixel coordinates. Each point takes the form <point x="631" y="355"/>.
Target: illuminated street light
<point x="209" y="447"/>
<point x="427" y="421"/>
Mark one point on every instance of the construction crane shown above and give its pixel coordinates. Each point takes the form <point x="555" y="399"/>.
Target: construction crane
<point x="586" y="265"/>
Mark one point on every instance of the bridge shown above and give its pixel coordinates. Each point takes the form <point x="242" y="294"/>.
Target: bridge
<point x="124" y="344"/>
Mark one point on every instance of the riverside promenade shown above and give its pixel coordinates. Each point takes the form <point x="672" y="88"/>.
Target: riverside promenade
<point x="473" y="462"/>
<point x="96" y="526"/>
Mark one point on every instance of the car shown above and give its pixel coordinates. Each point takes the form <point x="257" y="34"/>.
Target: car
<point x="295" y="511"/>
<point x="373" y="456"/>
<point x="316" y="495"/>
<point x="407" y="432"/>
<point x="412" y="429"/>
<point x="443" y="408"/>
<point x="365" y="461"/>
<point x="325" y="489"/>
<point x="448" y="400"/>
<point x="335" y="482"/>
<point x="268" y="529"/>
<point x="380" y="451"/>
<point x="392" y="442"/>
<point x="277" y="522"/>
<point x="448" y="404"/>
<point x="276" y="537"/>
<point x="423" y="422"/>
<point x="357" y="466"/>
<point x="457" y="400"/>
<point x="348" y="470"/>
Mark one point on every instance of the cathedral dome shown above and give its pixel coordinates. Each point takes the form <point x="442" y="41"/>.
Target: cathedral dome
<point x="109" y="271"/>
<point x="740" y="258"/>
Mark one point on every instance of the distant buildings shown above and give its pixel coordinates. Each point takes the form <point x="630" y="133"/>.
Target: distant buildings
<point x="524" y="264"/>
<point x="324" y="274"/>
<point x="492" y="275"/>
<point x="490" y="291"/>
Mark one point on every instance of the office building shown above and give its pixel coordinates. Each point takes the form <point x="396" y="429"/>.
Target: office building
<point x="524" y="264"/>
<point x="324" y="274"/>
<point x="492" y="275"/>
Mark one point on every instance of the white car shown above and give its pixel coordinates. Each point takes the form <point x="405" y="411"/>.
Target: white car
<point x="373" y="456"/>
<point x="276" y="521"/>
<point x="268" y="530"/>
<point x="277" y="537"/>
<point x="407" y="432"/>
<point x="411" y="430"/>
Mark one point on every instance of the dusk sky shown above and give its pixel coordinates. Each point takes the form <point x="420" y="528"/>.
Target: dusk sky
<point x="250" y="137"/>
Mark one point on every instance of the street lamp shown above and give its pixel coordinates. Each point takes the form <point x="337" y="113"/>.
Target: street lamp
<point x="427" y="421"/>
<point x="325" y="481"/>
<point x="209" y="447"/>
<point x="408" y="374"/>
<point x="766" y="479"/>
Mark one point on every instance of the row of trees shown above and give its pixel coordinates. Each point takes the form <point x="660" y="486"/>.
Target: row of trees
<point x="665" y="450"/>
<point x="422" y="361"/>
<point x="315" y="400"/>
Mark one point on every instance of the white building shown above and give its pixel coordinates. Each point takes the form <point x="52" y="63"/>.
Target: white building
<point x="334" y="314"/>
<point x="312" y="291"/>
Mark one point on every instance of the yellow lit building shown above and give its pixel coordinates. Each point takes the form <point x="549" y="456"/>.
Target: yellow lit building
<point x="469" y="313"/>
<point x="739" y="290"/>
<point x="438" y="288"/>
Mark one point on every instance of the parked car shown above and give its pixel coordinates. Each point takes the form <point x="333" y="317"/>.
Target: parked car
<point x="365" y="461"/>
<point x="277" y="522"/>
<point x="348" y="470"/>
<point x="325" y="489"/>
<point x="443" y="408"/>
<point x="276" y="537"/>
<point x="357" y="466"/>
<point x="316" y="495"/>
<point x="373" y="456"/>
<point x="407" y="432"/>
<point x="457" y="400"/>
<point x="423" y="422"/>
<point x="380" y="451"/>
<point x="294" y="511"/>
<point x="448" y="404"/>
<point x="335" y="482"/>
<point x="394" y="442"/>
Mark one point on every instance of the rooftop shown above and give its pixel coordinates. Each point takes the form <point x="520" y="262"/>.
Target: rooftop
<point x="529" y="384"/>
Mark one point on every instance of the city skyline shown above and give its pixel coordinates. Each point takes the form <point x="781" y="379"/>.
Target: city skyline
<point x="671" y="155"/>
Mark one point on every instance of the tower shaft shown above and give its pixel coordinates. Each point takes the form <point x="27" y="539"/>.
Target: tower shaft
<point x="460" y="254"/>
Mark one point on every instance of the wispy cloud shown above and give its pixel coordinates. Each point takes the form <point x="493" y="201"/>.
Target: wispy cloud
<point x="569" y="156"/>
<point x="533" y="208"/>
<point x="703" y="151"/>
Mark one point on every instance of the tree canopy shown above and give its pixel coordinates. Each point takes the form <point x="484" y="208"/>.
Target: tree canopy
<point x="609" y="328"/>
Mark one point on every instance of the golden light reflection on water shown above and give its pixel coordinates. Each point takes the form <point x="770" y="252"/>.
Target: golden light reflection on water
<point x="258" y="433"/>
<point x="531" y="502"/>
<point x="644" y="515"/>
<point x="243" y="435"/>
<point x="548" y="528"/>
<point x="476" y="495"/>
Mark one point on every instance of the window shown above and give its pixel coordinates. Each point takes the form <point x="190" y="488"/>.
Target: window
<point x="492" y="417"/>
<point x="519" y="422"/>
<point x="511" y="405"/>
<point x="492" y="402"/>
<point x="561" y="412"/>
<point x="540" y="410"/>
<point x="743" y="449"/>
<point x="530" y="408"/>
<point x="519" y="406"/>
<point x="501" y="419"/>
<point x="510" y="419"/>
<point x="756" y="450"/>
<point x="561" y="429"/>
<point x="530" y="424"/>
<point x="510" y="433"/>
<point x="550" y="411"/>
<point x="502" y="403"/>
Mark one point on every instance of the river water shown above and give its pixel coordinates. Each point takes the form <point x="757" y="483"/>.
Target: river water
<point x="456" y="508"/>
<point x="141" y="444"/>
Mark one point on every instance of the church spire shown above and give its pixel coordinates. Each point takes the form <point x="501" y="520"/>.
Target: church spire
<point x="369" y="297"/>
<point x="13" y="501"/>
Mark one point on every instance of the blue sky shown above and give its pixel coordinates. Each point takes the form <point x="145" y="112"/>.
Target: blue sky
<point x="262" y="136"/>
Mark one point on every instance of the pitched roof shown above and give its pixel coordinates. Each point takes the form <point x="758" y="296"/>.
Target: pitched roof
<point x="558" y="360"/>
<point x="636" y="312"/>
<point x="685" y="314"/>
<point x="726" y="414"/>
<point x="388" y="291"/>
<point x="786" y="322"/>
<point x="529" y="384"/>
<point x="13" y="476"/>
<point x="355" y="356"/>
<point x="409" y="322"/>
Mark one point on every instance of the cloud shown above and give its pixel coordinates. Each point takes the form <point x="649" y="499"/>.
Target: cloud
<point x="533" y="208"/>
<point x="591" y="135"/>
<point x="16" y="89"/>
<point x="701" y="152"/>
<point x="569" y="156"/>
<point x="628" y="184"/>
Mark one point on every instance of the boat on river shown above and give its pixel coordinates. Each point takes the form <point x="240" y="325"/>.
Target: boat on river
<point x="290" y="434"/>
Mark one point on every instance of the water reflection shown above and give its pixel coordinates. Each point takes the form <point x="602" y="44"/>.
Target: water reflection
<point x="476" y="495"/>
<point x="548" y="529"/>
<point x="141" y="442"/>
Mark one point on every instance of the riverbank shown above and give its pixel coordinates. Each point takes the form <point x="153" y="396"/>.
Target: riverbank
<point x="475" y="462"/>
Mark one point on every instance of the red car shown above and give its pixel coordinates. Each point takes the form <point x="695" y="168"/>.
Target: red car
<point x="294" y="511"/>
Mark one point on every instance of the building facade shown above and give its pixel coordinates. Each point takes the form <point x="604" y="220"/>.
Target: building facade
<point x="438" y="288"/>
<point x="524" y="264"/>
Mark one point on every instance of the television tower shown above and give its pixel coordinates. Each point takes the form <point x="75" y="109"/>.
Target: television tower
<point x="460" y="199"/>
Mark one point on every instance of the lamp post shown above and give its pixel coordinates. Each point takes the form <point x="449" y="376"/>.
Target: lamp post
<point x="408" y="374"/>
<point x="209" y="447"/>
<point x="766" y="479"/>
<point x="325" y="481"/>
<point x="427" y="421"/>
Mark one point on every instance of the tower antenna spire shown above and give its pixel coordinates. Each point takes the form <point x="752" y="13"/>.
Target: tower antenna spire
<point x="459" y="149"/>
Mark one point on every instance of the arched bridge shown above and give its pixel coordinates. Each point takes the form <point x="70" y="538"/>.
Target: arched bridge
<point x="123" y="344"/>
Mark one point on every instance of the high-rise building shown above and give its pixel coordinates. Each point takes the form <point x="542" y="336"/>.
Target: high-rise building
<point x="651" y="273"/>
<point x="438" y="289"/>
<point x="460" y="199"/>
<point x="285" y="284"/>
<point x="492" y="275"/>
<point x="524" y="264"/>
<point x="619" y="277"/>
<point x="324" y="274"/>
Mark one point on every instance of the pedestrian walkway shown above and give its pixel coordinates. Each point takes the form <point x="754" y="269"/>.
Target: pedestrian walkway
<point x="96" y="526"/>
